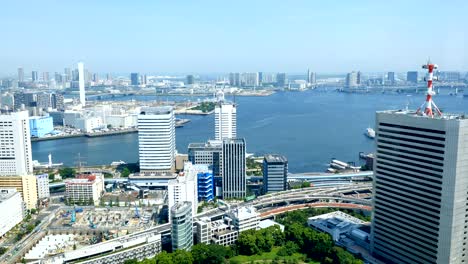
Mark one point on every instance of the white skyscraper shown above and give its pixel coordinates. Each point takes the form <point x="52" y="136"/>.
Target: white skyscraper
<point x="15" y="157"/>
<point x="81" y="83"/>
<point x="156" y="139"/>
<point x="225" y="119"/>
<point x="184" y="188"/>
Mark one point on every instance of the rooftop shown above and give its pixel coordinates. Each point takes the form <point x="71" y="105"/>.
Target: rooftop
<point x="160" y="110"/>
<point x="7" y="193"/>
<point x="412" y="113"/>
<point x="211" y="144"/>
<point x="275" y="158"/>
<point x="242" y="213"/>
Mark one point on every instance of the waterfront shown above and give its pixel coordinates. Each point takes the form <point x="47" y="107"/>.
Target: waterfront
<point x="309" y="128"/>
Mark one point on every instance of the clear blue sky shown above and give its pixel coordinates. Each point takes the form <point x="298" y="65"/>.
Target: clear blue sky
<point x="222" y="36"/>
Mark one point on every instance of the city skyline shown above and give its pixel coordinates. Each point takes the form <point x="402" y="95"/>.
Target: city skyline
<point x="212" y="37"/>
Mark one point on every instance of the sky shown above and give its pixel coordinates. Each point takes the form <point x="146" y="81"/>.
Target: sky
<point x="233" y="36"/>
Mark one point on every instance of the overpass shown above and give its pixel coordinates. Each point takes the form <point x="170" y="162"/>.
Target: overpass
<point x="281" y="210"/>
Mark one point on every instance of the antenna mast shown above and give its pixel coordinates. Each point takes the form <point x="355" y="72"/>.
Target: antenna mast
<point x="426" y="108"/>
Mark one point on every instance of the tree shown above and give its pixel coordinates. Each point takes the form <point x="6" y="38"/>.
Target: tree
<point x="163" y="258"/>
<point x="340" y="255"/>
<point x="288" y="249"/>
<point x="125" y="172"/>
<point x="51" y="176"/>
<point x="182" y="257"/>
<point x="3" y="250"/>
<point x="210" y="254"/>
<point x="67" y="172"/>
<point x="33" y="211"/>
<point x="131" y="261"/>
<point x="247" y="243"/>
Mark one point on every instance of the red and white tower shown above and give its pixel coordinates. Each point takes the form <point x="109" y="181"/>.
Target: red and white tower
<point x="426" y="107"/>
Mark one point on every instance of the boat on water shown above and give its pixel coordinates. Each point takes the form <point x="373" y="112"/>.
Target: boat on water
<point x="370" y="133"/>
<point x="117" y="163"/>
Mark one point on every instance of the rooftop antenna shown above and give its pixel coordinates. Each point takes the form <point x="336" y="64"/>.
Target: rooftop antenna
<point x="426" y="108"/>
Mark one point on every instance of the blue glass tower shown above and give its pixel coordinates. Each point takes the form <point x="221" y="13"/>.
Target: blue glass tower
<point x="205" y="186"/>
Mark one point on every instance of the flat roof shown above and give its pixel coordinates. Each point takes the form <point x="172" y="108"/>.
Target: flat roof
<point x="275" y="158"/>
<point x="412" y="113"/>
<point x="158" y="110"/>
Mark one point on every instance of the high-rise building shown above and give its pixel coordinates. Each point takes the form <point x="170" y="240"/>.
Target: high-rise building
<point x="352" y="79"/>
<point x="34" y="76"/>
<point x="144" y="79"/>
<point x="45" y="76"/>
<point x="134" y="78"/>
<point x="15" y="157"/>
<point x="250" y="79"/>
<point x="275" y="173"/>
<point x="58" y="78"/>
<point x="182" y="226"/>
<point x="311" y="78"/>
<point x="20" y="75"/>
<point x="225" y="120"/>
<point x="57" y="101"/>
<point x="358" y="78"/>
<point x="11" y="207"/>
<point x="95" y="77"/>
<point x="156" y="139"/>
<point x="209" y="153"/>
<point x="68" y="74"/>
<point x="190" y="79"/>
<point x="391" y="77"/>
<point x="281" y="79"/>
<point x="234" y="79"/>
<point x="81" y="83"/>
<point x="233" y="168"/>
<point x="420" y="188"/>
<point x="184" y="188"/>
<point x="260" y="78"/>
<point x="412" y="77"/>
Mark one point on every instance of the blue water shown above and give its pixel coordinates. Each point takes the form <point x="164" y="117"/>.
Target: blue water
<point x="309" y="128"/>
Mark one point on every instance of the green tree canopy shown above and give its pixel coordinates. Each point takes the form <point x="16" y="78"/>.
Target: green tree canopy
<point x="67" y="172"/>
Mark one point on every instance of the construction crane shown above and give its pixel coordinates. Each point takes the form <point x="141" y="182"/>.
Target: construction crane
<point x="91" y="224"/>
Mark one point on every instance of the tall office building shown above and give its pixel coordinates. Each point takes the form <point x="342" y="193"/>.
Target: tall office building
<point x="15" y="157"/>
<point x="275" y="173"/>
<point x="190" y="79"/>
<point x="352" y="79"/>
<point x="281" y="79"/>
<point x="156" y="139"/>
<point x="250" y="79"/>
<point x="68" y="75"/>
<point x="449" y="76"/>
<point x="182" y="226"/>
<point x="134" y="78"/>
<point x="412" y="77"/>
<point x="81" y="79"/>
<point x="20" y="75"/>
<point x="233" y="168"/>
<point x="420" y="188"/>
<point x="58" y="78"/>
<point x="311" y="78"/>
<point x="358" y="78"/>
<point x="45" y="76"/>
<point x="34" y="76"/>
<point x="225" y="120"/>
<point x="391" y="77"/>
<point x="234" y="79"/>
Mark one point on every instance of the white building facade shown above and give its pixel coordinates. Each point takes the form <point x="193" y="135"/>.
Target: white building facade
<point x="42" y="182"/>
<point x="156" y="139"/>
<point x="15" y="155"/>
<point x="225" y="120"/>
<point x="86" y="189"/>
<point x="11" y="206"/>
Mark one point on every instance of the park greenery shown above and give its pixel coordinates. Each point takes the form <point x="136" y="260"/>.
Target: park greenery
<point x="297" y="244"/>
<point x="67" y="172"/>
<point x="254" y="168"/>
<point x="205" y="107"/>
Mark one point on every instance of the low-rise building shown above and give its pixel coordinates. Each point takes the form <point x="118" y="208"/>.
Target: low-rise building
<point x="335" y="223"/>
<point x="268" y="223"/>
<point x="42" y="181"/>
<point x="220" y="232"/>
<point x="11" y="206"/>
<point x="39" y="126"/>
<point x="244" y="218"/>
<point x="86" y="189"/>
